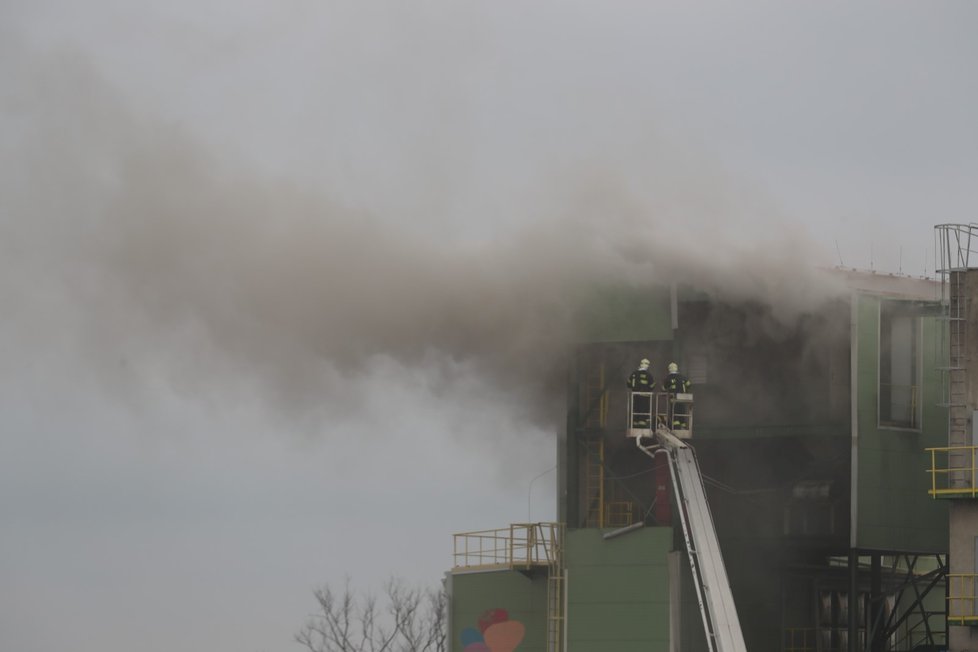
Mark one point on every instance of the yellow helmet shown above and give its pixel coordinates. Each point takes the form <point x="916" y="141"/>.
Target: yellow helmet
<point x="673" y="367"/>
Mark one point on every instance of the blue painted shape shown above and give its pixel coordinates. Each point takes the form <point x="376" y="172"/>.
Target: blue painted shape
<point x="471" y="635"/>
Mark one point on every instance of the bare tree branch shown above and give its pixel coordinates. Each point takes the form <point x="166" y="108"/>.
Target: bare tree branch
<point x="411" y="619"/>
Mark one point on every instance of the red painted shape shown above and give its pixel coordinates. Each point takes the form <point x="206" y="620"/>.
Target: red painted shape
<point x="491" y="617"/>
<point x="663" y="491"/>
<point x="505" y="636"/>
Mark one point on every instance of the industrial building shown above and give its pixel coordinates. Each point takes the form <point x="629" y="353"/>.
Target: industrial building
<point x="808" y="502"/>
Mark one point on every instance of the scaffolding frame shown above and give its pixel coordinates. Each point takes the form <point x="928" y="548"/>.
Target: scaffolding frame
<point x="956" y="248"/>
<point x="913" y="616"/>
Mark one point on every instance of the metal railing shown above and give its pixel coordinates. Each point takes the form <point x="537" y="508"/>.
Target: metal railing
<point x="519" y="546"/>
<point x="961" y="599"/>
<point x="953" y="471"/>
<point x="922" y="632"/>
<point x="649" y="410"/>
<point x="619" y="513"/>
<point x="956" y="247"/>
<point x="799" y="639"/>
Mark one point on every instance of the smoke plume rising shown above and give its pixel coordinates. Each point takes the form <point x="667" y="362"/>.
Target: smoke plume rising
<point x="145" y="253"/>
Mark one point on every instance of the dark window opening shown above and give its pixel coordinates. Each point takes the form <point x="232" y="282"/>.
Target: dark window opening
<point x="900" y="365"/>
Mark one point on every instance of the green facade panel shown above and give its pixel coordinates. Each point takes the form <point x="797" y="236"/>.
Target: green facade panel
<point x="619" y="646"/>
<point x="619" y="621"/>
<point x="618" y="590"/>
<point x="626" y="315"/>
<point x="894" y="510"/>
<point x="493" y="595"/>
<point x="618" y="584"/>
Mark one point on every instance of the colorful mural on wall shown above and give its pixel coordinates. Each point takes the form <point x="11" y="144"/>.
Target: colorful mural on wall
<point x="495" y="633"/>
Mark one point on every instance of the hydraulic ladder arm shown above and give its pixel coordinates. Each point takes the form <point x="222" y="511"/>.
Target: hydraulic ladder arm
<point x="720" y="621"/>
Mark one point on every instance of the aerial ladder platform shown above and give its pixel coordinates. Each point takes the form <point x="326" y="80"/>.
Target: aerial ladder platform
<point x="720" y="622"/>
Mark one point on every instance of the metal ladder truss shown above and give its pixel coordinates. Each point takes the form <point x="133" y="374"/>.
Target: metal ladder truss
<point x="595" y="396"/>
<point x="556" y="591"/>
<point x="720" y="621"/>
<point x="594" y="483"/>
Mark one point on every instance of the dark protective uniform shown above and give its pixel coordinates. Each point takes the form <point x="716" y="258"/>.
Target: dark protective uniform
<point x="641" y="381"/>
<point x="676" y="383"/>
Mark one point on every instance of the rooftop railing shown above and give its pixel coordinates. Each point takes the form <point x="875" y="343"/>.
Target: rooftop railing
<point x="520" y="546"/>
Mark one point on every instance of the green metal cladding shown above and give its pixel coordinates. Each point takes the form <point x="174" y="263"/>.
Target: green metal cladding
<point x="894" y="511"/>
<point x="626" y="315"/>
<point x="618" y="590"/>
<point x="523" y="598"/>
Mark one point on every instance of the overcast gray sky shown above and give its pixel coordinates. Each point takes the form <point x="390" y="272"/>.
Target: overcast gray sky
<point x="286" y="285"/>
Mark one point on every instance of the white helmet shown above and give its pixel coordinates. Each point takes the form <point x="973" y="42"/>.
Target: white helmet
<point x="673" y="367"/>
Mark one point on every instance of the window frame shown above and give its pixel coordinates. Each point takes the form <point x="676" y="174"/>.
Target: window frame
<point x="900" y="308"/>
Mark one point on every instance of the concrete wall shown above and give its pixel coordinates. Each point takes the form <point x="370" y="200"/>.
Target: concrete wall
<point x="964" y="532"/>
<point x="964" y="512"/>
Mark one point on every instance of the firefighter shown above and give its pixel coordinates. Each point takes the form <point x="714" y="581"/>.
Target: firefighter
<point x="676" y="383"/>
<point x="641" y="380"/>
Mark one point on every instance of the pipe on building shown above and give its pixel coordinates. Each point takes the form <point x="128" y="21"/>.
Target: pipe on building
<point x="623" y="530"/>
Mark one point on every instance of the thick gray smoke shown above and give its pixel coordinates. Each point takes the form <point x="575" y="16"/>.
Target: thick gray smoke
<point x="134" y="247"/>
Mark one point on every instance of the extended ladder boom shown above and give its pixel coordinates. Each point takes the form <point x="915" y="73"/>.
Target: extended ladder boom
<point x="716" y="602"/>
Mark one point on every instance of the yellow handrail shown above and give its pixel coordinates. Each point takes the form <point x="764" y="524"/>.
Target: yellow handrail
<point x="961" y="598"/>
<point x="521" y="545"/>
<point x="957" y="476"/>
<point x="799" y="639"/>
